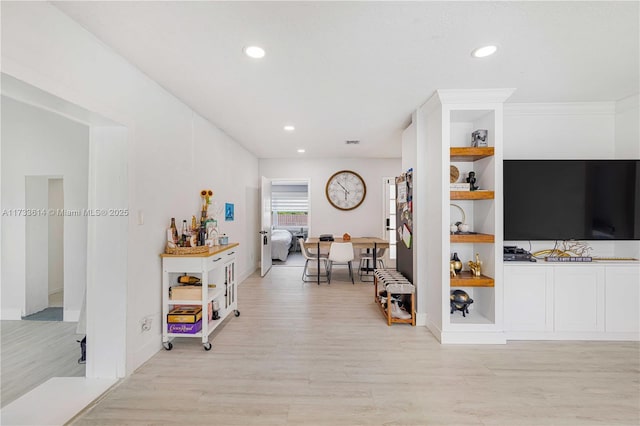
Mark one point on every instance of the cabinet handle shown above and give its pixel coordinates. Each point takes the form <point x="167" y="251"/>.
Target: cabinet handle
<point x="215" y="260"/>
<point x="229" y="254"/>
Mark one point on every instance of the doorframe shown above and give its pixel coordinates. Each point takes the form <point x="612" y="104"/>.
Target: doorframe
<point x="386" y="195"/>
<point x="107" y="239"/>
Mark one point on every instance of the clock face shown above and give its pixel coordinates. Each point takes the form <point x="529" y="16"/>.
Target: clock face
<point x="346" y="190"/>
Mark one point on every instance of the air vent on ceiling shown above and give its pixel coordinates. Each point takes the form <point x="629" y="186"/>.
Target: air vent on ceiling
<point x="352" y="142"/>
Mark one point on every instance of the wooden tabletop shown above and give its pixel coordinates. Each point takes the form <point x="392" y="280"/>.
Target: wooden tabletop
<point x="212" y="250"/>
<point x="358" y="242"/>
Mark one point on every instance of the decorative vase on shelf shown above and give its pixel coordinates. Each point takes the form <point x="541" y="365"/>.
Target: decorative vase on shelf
<point x="457" y="263"/>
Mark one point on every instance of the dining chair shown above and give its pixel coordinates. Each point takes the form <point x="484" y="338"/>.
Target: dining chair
<point x="313" y="257"/>
<point x="341" y="253"/>
<point x="366" y="261"/>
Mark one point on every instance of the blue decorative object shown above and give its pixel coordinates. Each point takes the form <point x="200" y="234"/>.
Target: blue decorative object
<point x="228" y="212"/>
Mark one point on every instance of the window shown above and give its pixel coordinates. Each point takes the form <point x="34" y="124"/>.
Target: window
<point x="290" y="206"/>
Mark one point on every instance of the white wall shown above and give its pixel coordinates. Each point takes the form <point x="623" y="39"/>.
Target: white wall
<point x="559" y="131"/>
<point x="366" y="220"/>
<point x="627" y="141"/>
<point x="173" y="152"/>
<point x="36" y="142"/>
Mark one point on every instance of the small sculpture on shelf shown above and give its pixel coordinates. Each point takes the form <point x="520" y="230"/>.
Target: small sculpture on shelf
<point x="479" y="138"/>
<point x="476" y="267"/>
<point x="455" y="264"/>
<point x="460" y="301"/>
<point x="471" y="180"/>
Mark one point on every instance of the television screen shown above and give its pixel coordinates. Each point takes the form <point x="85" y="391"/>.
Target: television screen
<point x="571" y="199"/>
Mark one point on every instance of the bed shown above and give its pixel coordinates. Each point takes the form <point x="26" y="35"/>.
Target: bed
<point x="281" y="240"/>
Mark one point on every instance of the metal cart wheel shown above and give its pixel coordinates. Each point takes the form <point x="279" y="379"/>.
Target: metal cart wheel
<point x="236" y="313"/>
<point x="168" y="346"/>
<point x="207" y="346"/>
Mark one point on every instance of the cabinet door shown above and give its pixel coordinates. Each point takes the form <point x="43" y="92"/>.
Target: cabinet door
<point x="579" y="298"/>
<point x="622" y="299"/>
<point x="528" y="298"/>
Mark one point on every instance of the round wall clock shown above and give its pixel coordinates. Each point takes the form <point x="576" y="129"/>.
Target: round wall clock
<point x="346" y="190"/>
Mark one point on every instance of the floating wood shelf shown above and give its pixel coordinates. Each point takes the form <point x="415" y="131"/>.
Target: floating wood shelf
<point x="472" y="238"/>
<point x="465" y="279"/>
<point x="471" y="195"/>
<point x="470" y="154"/>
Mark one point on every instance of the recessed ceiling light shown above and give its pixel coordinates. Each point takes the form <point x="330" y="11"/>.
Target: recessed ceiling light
<point x="255" y="52"/>
<point x="301" y="151"/>
<point x="289" y="128"/>
<point x="484" y="51"/>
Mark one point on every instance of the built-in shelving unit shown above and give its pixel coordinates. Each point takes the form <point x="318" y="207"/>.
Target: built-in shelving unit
<point x="459" y="113"/>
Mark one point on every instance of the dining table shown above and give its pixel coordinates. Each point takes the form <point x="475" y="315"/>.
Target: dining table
<point x="358" y="242"/>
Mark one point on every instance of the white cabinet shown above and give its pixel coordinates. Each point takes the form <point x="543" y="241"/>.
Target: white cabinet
<point x="528" y="296"/>
<point x="579" y="298"/>
<point x="216" y="271"/>
<point x="594" y="301"/>
<point x="622" y="300"/>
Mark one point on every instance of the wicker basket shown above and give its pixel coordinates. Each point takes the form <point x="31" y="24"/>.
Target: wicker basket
<point x="186" y="250"/>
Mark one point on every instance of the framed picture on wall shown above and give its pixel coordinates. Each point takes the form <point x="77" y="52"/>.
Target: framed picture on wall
<point x="228" y="212"/>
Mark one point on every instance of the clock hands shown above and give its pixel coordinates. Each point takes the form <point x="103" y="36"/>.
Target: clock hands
<point x="346" y="191"/>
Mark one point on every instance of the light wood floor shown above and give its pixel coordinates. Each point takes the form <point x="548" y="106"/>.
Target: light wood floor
<point x="35" y="351"/>
<point x="323" y="355"/>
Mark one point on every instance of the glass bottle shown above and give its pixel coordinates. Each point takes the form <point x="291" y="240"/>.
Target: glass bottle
<point x="202" y="234"/>
<point x="174" y="230"/>
<point x="184" y="239"/>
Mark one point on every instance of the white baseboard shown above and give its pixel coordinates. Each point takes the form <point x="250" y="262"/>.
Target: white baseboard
<point x="473" y="337"/>
<point x="565" y="335"/>
<point x="11" y="314"/>
<point x="421" y="319"/>
<point x="71" y="315"/>
<point x="246" y="274"/>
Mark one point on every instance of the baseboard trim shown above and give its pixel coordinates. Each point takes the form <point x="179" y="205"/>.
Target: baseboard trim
<point x="588" y="336"/>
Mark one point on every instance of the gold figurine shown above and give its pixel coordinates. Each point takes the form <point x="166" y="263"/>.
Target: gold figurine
<point x="476" y="267"/>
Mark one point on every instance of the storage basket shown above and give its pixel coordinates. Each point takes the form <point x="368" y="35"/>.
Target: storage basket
<point x="186" y="250"/>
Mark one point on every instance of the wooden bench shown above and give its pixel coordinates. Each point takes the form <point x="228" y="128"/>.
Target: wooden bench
<point x="394" y="283"/>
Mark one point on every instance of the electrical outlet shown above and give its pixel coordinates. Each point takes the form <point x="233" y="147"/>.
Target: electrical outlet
<point x="146" y="324"/>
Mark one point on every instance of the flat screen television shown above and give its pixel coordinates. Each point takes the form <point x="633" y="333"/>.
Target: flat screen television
<point x="571" y="200"/>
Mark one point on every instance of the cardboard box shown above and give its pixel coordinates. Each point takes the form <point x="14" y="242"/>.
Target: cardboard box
<point x="185" y="292"/>
<point x="187" y="314"/>
<point x="184" y="328"/>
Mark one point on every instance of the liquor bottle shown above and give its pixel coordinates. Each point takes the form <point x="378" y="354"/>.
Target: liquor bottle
<point x="184" y="241"/>
<point x="174" y="230"/>
<point x="202" y="235"/>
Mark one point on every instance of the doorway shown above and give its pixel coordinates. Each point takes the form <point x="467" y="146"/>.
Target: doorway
<point x="290" y="209"/>
<point x="104" y="242"/>
<point x="44" y="237"/>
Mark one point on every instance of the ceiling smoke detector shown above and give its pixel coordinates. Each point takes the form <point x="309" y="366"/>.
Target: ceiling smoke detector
<point x="353" y="142"/>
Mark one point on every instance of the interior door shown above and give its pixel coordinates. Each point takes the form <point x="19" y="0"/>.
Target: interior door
<point x="265" y="228"/>
<point x="389" y="231"/>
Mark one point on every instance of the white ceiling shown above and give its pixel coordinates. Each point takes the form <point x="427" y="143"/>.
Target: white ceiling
<point x="357" y="70"/>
